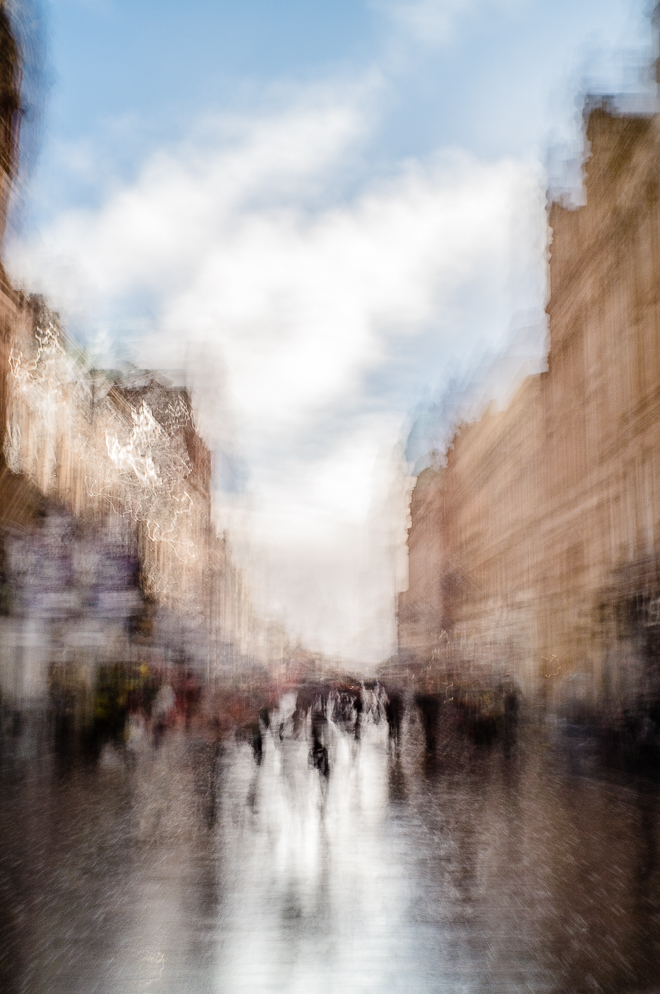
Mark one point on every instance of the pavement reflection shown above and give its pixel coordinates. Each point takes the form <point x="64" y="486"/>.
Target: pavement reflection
<point x="199" y="867"/>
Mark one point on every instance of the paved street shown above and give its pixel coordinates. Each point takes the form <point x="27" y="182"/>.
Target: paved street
<point x="186" y="870"/>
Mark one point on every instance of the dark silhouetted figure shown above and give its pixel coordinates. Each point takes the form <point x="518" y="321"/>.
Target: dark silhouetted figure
<point x="256" y="741"/>
<point x="429" y="709"/>
<point x="358" y="706"/>
<point x="394" y="710"/>
<point x="318" y="756"/>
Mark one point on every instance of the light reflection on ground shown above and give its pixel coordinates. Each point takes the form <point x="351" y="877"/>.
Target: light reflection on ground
<point x="467" y="872"/>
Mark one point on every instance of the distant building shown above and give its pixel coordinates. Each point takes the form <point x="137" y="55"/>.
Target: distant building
<point x="119" y="455"/>
<point x="19" y="500"/>
<point x="536" y="549"/>
<point x="108" y="552"/>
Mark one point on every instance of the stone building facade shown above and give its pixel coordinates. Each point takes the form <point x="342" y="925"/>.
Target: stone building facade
<point x="108" y="551"/>
<point x="546" y="516"/>
<point x="111" y="461"/>
<point x="19" y="500"/>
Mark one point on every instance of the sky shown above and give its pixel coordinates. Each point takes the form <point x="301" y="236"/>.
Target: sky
<point x="324" y="216"/>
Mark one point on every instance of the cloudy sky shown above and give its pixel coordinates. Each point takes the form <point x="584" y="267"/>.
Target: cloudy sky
<point x="323" y="214"/>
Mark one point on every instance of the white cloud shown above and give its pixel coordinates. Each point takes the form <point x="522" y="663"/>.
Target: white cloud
<point x="232" y="243"/>
<point x="432" y="23"/>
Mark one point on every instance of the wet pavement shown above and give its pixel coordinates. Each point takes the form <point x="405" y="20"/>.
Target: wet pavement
<point x="188" y="868"/>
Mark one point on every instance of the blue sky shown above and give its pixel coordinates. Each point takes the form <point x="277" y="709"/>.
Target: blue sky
<point x="495" y="77"/>
<point x="322" y="213"/>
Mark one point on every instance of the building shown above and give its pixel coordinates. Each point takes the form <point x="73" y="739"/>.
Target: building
<point x="108" y="552"/>
<point x="19" y="501"/>
<point x="544" y="558"/>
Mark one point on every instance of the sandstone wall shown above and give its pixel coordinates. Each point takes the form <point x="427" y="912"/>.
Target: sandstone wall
<point x="547" y="516"/>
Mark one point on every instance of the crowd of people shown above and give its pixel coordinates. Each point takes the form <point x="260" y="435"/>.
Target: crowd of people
<point x="136" y="704"/>
<point x="132" y="706"/>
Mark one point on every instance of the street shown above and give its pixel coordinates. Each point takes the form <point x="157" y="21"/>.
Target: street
<point x="190" y="867"/>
